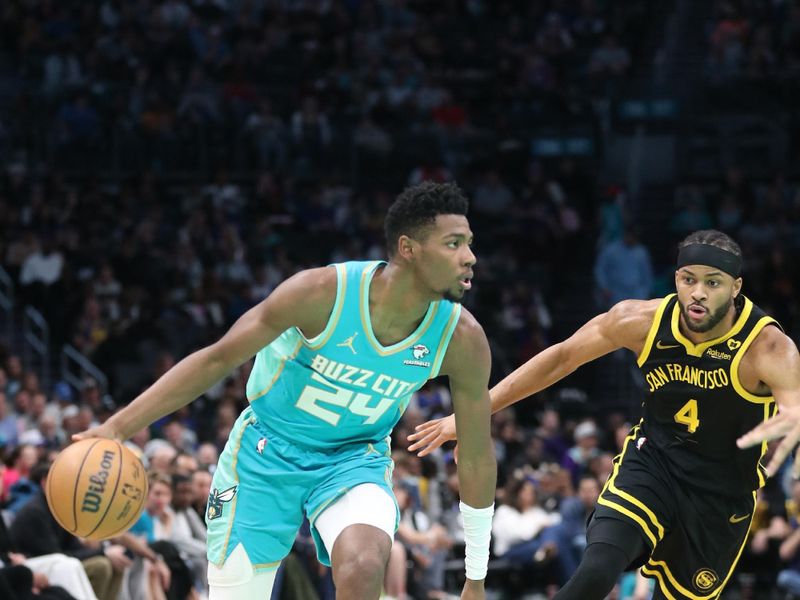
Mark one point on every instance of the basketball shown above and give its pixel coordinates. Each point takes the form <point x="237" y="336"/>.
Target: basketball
<point x="96" y="488"/>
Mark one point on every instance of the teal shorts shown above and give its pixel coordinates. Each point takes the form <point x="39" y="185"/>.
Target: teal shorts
<point x="264" y="485"/>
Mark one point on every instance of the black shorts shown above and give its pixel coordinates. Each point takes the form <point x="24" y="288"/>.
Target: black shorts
<point x="695" y="536"/>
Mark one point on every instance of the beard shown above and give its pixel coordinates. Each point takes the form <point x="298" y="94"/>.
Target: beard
<point x="714" y="317"/>
<point x="453" y="296"/>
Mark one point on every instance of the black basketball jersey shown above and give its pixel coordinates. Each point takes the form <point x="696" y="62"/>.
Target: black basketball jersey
<point x="696" y="407"/>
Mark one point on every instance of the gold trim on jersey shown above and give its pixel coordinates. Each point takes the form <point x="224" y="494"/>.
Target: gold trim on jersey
<point x="224" y="553"/>
<point x="278" y="371"/>
<point x="767" y="401"/>
<point x="653" y="536"/>
<point x="693" y="349"/>
<point x="648" y="569"/>
<point x="651" y="335"/>
<point x="318" y="341"/>
<point x="366" y="322"/>
<point x="737" y="385"/>
<point x="447" y="334"/>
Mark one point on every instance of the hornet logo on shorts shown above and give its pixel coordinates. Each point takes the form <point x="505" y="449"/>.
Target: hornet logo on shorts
<point x="215" y="501"/>
<point x="419" y="352"/>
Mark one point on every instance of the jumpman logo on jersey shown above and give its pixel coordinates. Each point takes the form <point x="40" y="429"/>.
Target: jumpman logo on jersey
<point x="348" y="343"/>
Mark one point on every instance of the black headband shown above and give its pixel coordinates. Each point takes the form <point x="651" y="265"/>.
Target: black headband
<point x="710" y="256"/>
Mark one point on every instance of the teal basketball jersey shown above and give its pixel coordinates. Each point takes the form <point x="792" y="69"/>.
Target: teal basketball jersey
<point x="343" y="386"/>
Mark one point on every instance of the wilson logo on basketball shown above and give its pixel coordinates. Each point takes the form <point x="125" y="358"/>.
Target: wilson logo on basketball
<point x="97" y="484"/>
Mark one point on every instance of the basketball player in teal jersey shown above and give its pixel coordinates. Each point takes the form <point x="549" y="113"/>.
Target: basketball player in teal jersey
<point x="680" y="498"/>
<point x="339" y="352"/>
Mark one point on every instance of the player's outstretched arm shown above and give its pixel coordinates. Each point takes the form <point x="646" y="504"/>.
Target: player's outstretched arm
<point x="624" y="326"/>
<point x="468" y="365"/>
<point x="777" y="363"/>
<point x="304" y="300"/>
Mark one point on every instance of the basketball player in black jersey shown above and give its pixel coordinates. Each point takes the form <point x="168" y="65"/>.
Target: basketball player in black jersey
<point x="681" y="496"/>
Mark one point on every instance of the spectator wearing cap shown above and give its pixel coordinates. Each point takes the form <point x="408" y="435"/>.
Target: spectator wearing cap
<point x="585" y="448"/>
<point x="61" y="398"/>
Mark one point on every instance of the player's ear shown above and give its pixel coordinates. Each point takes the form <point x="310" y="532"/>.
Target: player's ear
<point x="405" y="247"/>
<point x="737" y="286"/>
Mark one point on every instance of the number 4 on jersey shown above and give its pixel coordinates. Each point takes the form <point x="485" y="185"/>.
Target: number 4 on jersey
<point x="687" y="415"/>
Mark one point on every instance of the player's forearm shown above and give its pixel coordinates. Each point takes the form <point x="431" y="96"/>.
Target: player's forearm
<point x="477" y="479"/>
<point x="788" y="548"/>
<point x="176" y="388"/>
<point x="541" y="371"/>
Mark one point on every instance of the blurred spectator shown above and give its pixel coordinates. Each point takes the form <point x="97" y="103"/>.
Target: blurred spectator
<point x="18" y="467"/>
<point x="609" y="60"/>
<point x="189" y="530"/>
<point x="520" y="525"/>
<point x="201" y="490"/>
<point x="35" y="533"/>
<point x="426" y="542"/>
<point x="623" y="270"/>
<point x="8" y="424"/>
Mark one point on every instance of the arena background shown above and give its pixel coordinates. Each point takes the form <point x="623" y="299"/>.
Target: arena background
<point x="165" y="164"/>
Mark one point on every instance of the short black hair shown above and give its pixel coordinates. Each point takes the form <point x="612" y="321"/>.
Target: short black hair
<point x="417" y="207"/>
<point x="712" y="237"/>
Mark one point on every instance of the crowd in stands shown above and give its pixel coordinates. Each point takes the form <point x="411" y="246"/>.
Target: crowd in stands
<point x="754" y="40"/>
<point x="125" y="218"/>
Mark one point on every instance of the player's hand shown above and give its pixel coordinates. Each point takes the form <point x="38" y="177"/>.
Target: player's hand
<point x="429" y="436"/>
<point x="40" y="581"/>
<point x="101" y="431"/>
<point x="163" y="573"/>
<point x="116" y="555"/>
<point x="785" y="424"/>
<point x="473" y="590"/>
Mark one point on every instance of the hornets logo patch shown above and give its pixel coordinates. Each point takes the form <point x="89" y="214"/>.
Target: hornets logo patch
<point x="419" y="352"/>
<point x="215" y="501"/>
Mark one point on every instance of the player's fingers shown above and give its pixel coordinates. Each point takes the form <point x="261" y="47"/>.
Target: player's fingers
<point x="433" y="445"/>
<point x="419" y="434"/>
<point x="766" y="431"/>
<point x="782" y="451"/>
<point x="425" y="440"/>
<point x="427" y="425"/>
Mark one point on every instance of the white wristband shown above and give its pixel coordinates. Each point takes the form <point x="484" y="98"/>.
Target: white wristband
<point x="477" y="535"/>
